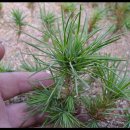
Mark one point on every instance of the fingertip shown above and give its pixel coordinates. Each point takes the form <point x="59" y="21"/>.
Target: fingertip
<point x="2" y="51"/>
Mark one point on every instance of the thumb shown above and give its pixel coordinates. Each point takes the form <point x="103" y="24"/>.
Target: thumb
<point x="2" y="51"/>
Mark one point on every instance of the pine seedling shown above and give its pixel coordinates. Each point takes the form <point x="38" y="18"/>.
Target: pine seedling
<point x="48" y="20"/>
<point x="1" y="7"/>
<point x="109" y="5"/>
<point x="1" y="10"/>
<point x="95" y="17"/>
<point x="127" y="123"/>
<point x="31" y="6"/>
<point x="115" y="81"/>
<point x="115" y="86"/>
<point x="18" y="19"/>
<point x="70" y="60"/>
<point x="95" y="4"/>
<point x="93" y="124"/>
<point x="68" y="8"/>
<point x="120" y="15"/>
<point x="5" y="68"/>
<point x="29" y="67"/>
<point x="96" y="105"/>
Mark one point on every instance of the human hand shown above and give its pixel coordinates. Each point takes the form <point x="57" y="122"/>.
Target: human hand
<point x="11" y="85"/>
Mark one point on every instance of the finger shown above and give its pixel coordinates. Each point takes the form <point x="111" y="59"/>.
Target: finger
<point x="4" y="121"/>
<point x="15" y="83"/>
<point x="2" y="51"/>
<point x="17" y="114"/>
